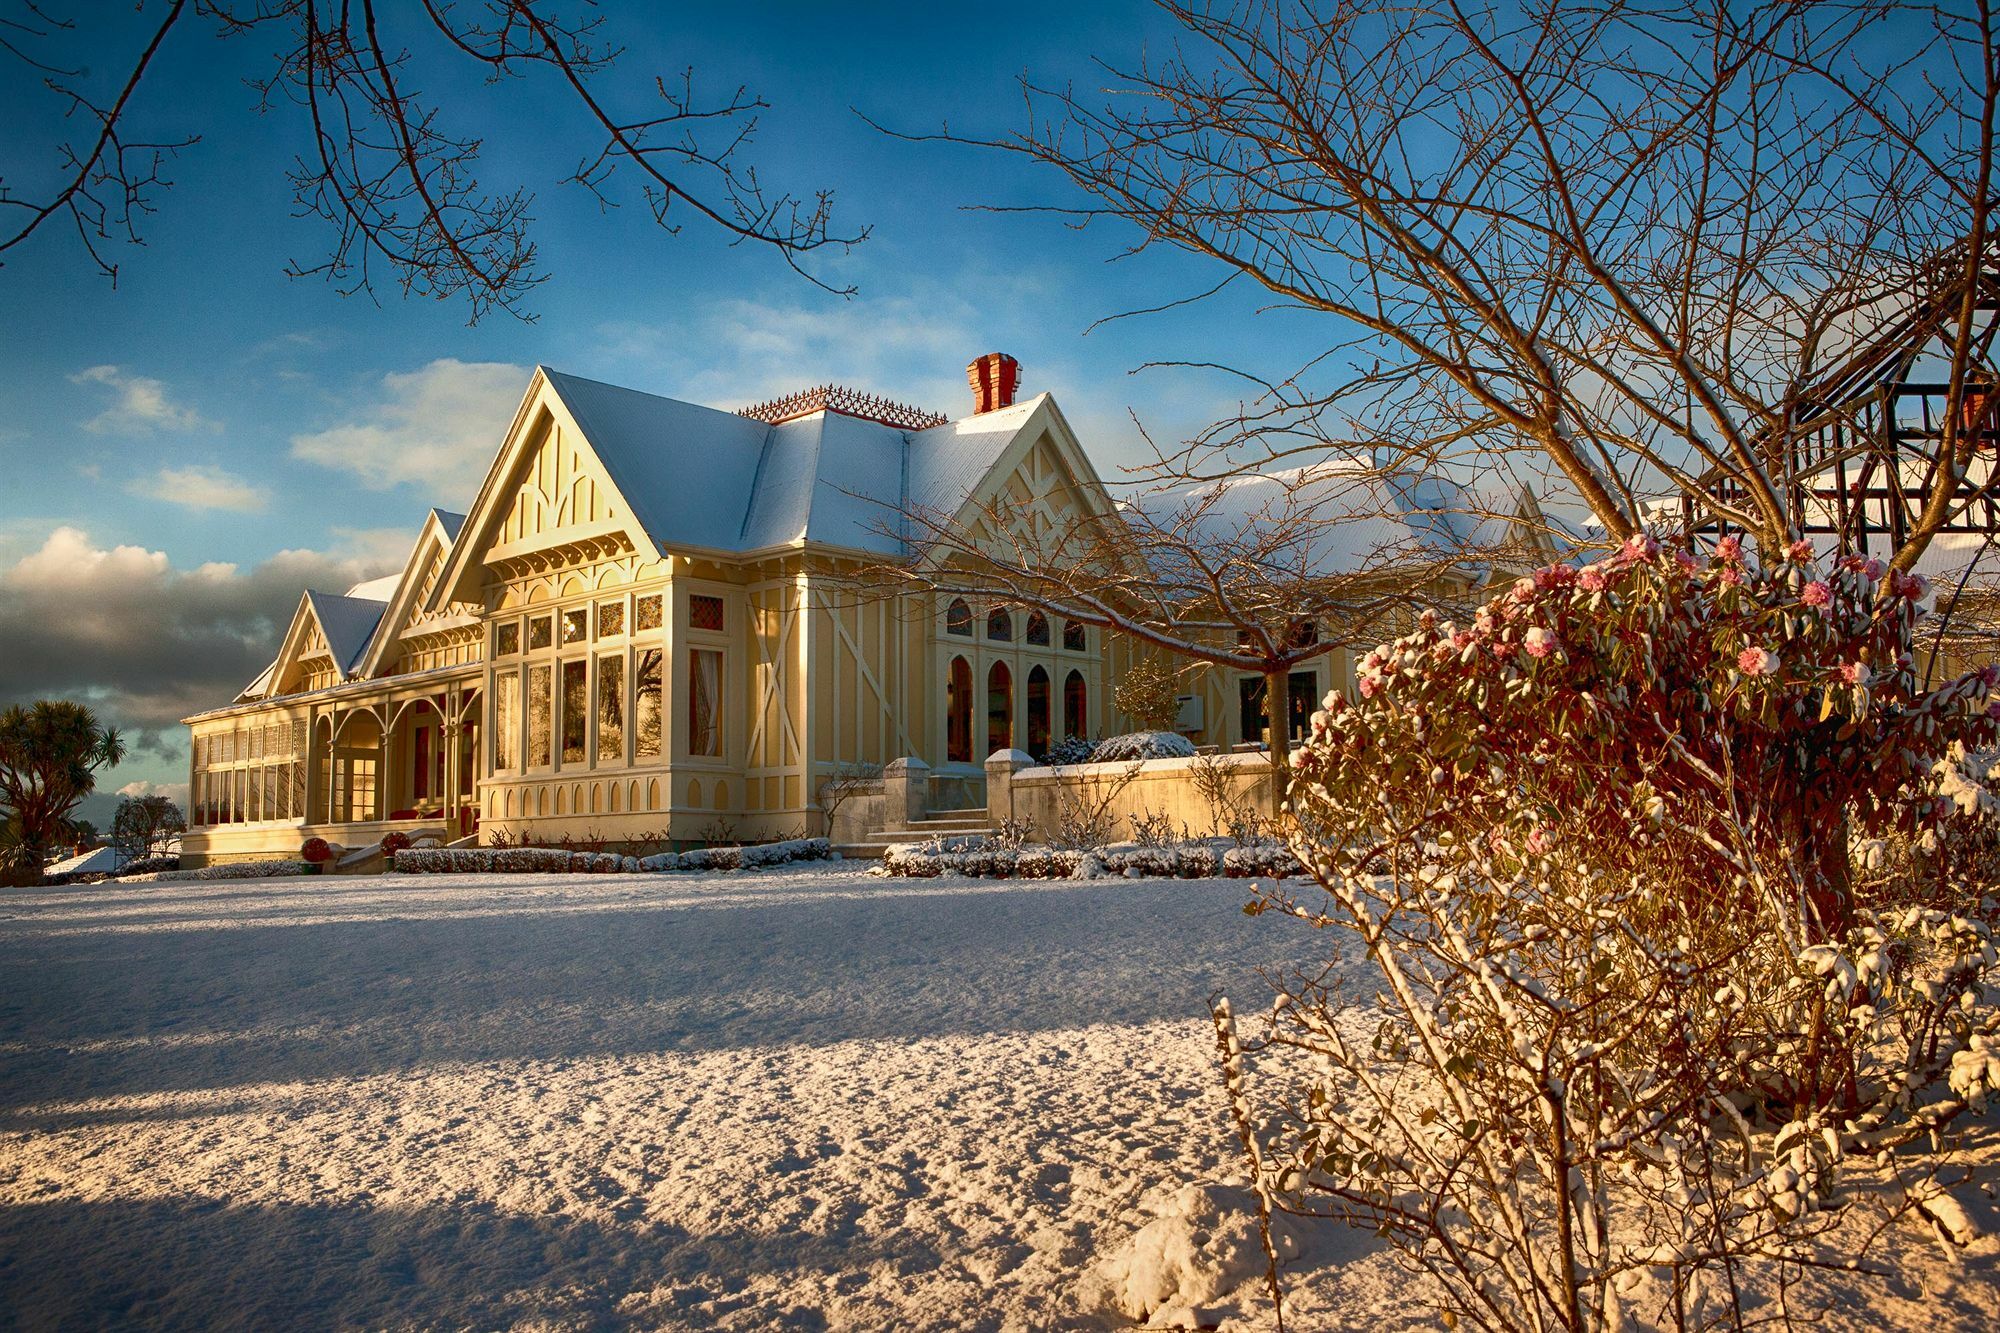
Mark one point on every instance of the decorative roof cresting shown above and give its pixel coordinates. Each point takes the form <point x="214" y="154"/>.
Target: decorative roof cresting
<point x="847" y="402"/>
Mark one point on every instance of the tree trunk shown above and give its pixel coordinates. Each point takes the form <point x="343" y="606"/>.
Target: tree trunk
<point x="1278" y="709"/>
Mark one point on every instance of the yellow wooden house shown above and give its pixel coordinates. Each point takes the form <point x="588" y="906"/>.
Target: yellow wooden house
<point x="645" y="626"/>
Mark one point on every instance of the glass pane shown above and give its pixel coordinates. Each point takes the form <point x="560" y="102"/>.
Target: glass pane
<point x="1000" y="626"/>
<point x="538" y="717"/>
<point x="1073" y="637"/>
<point x="704" y="612"/>
<point x="576" y="710"/>
<point x="575" y="626"/>
<point x="958" y="618"/>
<point x="1038" y="629"/>
<point x="507" y="638"/>
<point x="705" y="702"/>
<point x="610" y="619"/>
<point x="646" y="703"/>
<point x="610" y="709"/>
<point x="646" y="612"/>
<point x="538" y="632"/>
<point x="506" y="720"/>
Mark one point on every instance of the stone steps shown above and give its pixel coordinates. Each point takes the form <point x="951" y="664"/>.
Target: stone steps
<point x="944" y="824"/>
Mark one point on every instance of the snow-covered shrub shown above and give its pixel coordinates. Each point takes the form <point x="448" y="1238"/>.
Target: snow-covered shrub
<point x="556" y="860"/>
<point x="316" y="851"/>
<point x="148" y="865"/>
<point x="226" y="870"/>
<point x="1632" y="1012"/>
<point x="1261" y="860"/>
<point x="1069" y="750"/>
<point x="1142" y="745"/>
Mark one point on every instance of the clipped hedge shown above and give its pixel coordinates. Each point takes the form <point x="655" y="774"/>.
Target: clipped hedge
<point x="554" y="860"/>
<point x="229" y="870"/>
<point x="1188" y="860"/>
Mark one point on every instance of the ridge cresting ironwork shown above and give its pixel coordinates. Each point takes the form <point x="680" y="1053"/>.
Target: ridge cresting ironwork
<point x="847" y="402"/>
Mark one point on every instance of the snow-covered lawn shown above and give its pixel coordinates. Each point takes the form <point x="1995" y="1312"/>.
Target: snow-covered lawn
<point x="804" y="1098"/>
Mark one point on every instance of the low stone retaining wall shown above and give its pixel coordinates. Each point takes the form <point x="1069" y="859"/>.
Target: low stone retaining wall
<point x="1031" y="794"/>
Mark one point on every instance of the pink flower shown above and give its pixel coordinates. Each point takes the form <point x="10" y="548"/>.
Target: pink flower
<point x="1754" y="661"/>
<point x="1539" y="642"/>
<point x="1854" y="673"/>
<point x="1873" y="568"/>
<point x="1816" y="594"/>
<point x="1729" y="548"/>
<point x="1555" y="576"/>
<point x="1639" y="546"/>
<point x="1592" y="580"/>
<point x="1800" y="551"/>
<point x="1369" y="685"/>
<point x="1730" y="577"/>
<point x="1524" y="590"/>
<point x="1687" y="563"/>
<point x="1540" y="841"/>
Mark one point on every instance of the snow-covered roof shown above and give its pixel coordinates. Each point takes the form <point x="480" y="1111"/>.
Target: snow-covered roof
<point x="348" y="623"/>
<point x="702" y="477"/>
<point x="375" y="590"/>
<point x="1340" y="516"/>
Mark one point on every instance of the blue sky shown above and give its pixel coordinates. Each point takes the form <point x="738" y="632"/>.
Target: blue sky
<point x="183" y="451"/>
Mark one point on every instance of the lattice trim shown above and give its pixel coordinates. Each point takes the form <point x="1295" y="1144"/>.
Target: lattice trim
<point x="847" y="402"/>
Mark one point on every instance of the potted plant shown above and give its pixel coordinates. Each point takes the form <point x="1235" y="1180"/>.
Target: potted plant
<point x="315" y="852"/>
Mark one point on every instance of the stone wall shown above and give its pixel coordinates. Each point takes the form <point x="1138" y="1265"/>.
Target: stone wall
<point x="1034" y="795"/>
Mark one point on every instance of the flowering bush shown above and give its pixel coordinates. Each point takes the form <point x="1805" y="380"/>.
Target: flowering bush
<point x="1633" y="1007"/>
<point x="316" y="851"/>
<point x="394" y="842"/>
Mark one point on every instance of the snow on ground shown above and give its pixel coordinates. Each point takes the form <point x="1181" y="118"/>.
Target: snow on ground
<point x="804" y="1099"/>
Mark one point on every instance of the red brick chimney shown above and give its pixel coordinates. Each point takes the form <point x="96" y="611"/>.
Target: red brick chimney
<point x="994" y="378"/>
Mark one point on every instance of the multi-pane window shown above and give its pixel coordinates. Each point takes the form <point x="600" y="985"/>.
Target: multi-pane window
<point x="538" y="632"/>
<point x="575" y="626"/>
<point x="1073" y="638"/>
<point x="575" y="710"/>
<point x="249" y="773"/>
<point x="646" y="702"/>
<point x="646" y="612"/>
<point x="610" y="619"/>
<point x="539" y="737"/>
<point x="704" y="612"/>
<point x="999" y="625"/>
<point x="610" y="708"/>
<point x="507" y="638"/>
<point x="958" y="618"/>
<point x="705" y="703"/>
<point x="1038" y="629"/>
<point x="506" y="720"/>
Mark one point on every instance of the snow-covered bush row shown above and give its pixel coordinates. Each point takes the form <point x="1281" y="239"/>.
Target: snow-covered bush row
<point x="1142" y="745"/>
<point x="148" y="865"/>
<point x="554" y="860"/>
<point x="228" y="870"/>
<point x="1185" y="860"/>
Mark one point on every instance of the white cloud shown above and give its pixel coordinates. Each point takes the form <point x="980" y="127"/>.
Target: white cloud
<point x="438" y="427"/>
<point x="177" y="792"/>
<point x="146" y="643"/>
<point x="198" y="487"/>
<point x="139" y="405"/>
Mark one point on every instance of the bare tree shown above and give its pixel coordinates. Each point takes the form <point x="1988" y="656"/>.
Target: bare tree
<point x="380" y="165"/>
<point x="146" y="826"/>
<point x="1661" y="249"/>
